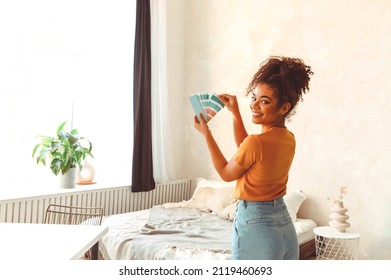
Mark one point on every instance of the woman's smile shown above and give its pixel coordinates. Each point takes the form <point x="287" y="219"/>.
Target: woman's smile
<point x="255" y="114"/>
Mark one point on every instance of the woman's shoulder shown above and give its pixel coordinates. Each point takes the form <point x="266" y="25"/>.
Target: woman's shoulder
<point x="252" y="139"/>
<point x="273" y="135"/>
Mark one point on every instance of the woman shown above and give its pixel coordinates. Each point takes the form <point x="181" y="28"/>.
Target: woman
<point x="262" y="228"/>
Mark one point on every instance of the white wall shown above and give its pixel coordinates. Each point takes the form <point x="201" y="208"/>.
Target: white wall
<point x="342" y="127"/>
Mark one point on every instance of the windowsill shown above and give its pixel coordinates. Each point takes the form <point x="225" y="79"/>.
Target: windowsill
<point x="53" y="190"/>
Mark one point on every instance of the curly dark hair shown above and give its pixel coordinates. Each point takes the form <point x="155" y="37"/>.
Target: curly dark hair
<point x="288" y="77"/>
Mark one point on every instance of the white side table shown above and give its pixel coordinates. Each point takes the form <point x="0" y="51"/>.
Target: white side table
<point x="331" y="244"/>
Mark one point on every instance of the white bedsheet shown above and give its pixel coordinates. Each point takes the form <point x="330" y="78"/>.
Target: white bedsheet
<point x="124" y="228"/>
<point x="304" y="230"/>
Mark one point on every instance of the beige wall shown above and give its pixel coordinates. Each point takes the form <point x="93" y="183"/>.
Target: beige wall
<point x="176" y="77"/>
<point x="342" y="128"/>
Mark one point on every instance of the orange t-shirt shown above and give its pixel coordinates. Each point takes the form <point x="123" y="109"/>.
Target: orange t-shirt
<point x="267" y="158"/>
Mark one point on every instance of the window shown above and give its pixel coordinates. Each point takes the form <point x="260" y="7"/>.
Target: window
<point x="66" y="60"/>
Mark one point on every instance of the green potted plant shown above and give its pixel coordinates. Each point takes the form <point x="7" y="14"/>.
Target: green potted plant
<point x="66" y="152"/>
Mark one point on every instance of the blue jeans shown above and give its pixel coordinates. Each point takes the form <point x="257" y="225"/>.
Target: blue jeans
<point x="263" y="231"/>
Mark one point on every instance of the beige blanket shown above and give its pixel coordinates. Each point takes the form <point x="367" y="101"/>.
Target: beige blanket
<point x="181" y="229"/>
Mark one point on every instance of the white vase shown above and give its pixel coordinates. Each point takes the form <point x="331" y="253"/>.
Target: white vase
<point x="68" y="180"/>
<point x="338" y="217"/>
<point x="87" y="174"/>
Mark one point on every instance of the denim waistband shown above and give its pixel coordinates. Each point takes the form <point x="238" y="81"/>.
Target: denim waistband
<point x="275" y="202"/>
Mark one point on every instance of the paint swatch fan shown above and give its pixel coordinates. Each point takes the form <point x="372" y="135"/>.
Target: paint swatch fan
<point x="207" y="104"/>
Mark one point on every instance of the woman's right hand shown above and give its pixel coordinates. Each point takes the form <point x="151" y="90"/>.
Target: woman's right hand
<point x="230" y="101"/>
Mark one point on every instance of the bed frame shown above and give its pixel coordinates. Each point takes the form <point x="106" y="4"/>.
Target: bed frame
<point x="307" y="250"/>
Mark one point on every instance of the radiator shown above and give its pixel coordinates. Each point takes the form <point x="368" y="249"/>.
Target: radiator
<point x="112" y="200"/>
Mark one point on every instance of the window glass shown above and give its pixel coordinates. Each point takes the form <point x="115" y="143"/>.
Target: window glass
<point x="65" y="61"/>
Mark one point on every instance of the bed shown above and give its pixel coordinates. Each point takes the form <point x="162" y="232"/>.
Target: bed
<point x="196" y="229"/>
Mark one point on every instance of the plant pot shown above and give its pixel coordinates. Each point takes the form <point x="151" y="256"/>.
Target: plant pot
<point x="68" y="180"/>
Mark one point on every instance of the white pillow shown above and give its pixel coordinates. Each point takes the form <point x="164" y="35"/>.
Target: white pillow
<point x="213" y="195"/>
<point x="212" y="199"/>
<point x="229" y="212"/>
<point x="293" y="200"/>
<point x="202" y="182"/>
<point x="209" y="196"/>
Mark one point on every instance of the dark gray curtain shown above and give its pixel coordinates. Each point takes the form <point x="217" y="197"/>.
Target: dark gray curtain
<point x="142" y="173"/>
